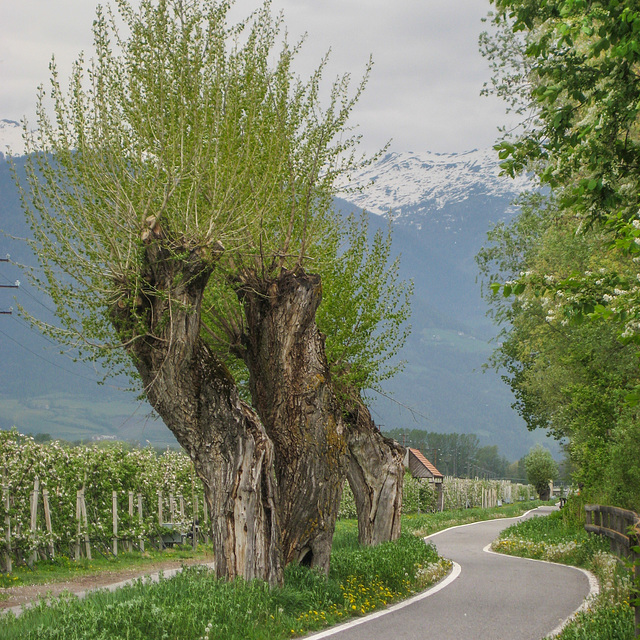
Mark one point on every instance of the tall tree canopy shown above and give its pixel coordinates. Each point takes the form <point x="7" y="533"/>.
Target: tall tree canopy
<point x="563" y="277"/>
<point x="572" y="67"/>
<point x="180" y="193"/>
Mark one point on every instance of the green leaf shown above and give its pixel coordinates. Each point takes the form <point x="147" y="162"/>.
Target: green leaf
<point x="633" y="398"/>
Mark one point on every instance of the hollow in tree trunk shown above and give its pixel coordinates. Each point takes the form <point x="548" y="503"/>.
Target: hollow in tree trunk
<point x="292" y="392"/>
<point x="197" y="399"/>
<point x="375" y="475"/>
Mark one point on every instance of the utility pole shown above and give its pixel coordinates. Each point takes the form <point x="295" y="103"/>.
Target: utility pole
<point x="8" y="286"/>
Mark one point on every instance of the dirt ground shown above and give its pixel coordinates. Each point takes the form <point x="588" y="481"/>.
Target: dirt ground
<point x="18" y="596"/>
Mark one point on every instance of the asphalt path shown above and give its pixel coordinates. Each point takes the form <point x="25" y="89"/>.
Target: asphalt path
<point x="487" y="596"/>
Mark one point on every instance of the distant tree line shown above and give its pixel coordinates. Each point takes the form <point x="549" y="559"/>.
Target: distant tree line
<point x="458" y="454"/>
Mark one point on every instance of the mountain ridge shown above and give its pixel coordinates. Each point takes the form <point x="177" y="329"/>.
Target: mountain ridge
<point x="11" y="142"/>
<point x="441" y="206"/>
<point x="421" y="183"/>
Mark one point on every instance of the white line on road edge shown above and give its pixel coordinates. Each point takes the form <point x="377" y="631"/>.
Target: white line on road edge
<point x="594" y="587"/>
<point x="471" y="524"/>
<point x="455" y="572"/>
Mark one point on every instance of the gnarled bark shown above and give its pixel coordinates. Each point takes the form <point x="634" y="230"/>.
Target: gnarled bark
<point x="375" y="475"/>
<point x="197" y="399"/>
<point x="292" y="392"/>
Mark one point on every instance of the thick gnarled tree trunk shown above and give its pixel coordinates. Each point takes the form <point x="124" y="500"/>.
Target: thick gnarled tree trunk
<point x="375" y="475"/>
<point x="292" y="393"/>
<point x="197" y="399"/>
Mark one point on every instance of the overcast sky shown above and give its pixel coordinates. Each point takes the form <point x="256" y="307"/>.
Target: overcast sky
<point x="423" y="93"/>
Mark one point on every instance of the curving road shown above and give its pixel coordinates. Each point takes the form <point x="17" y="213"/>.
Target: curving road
<point x="488" y="596"/>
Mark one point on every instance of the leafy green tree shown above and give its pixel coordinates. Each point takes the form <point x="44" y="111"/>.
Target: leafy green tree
<point x="177" y="195"/>
<point x="570" y="378"/>
<point x="576" y="74"/>
<point x="579" y="73"/>
<point x="365" y="307"/>
<point x="541" y="470"/>
<point x="490" y="463"/>
<point x="571" y="68"/>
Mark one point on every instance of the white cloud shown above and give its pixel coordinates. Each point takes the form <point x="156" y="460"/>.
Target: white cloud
<point x="423" y="92"/>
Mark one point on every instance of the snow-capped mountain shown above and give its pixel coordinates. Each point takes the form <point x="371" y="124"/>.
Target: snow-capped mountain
<point x="11" y="138"/>
<point x="400" y="183"/>
<point x="421" y="183"/>
<point x="442" y="205"/>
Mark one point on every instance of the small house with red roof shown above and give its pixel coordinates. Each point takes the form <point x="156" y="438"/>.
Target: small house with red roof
<point x="420" y="467"/>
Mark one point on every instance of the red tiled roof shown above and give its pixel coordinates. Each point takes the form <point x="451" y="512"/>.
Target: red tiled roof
<point x="418" y="454"/>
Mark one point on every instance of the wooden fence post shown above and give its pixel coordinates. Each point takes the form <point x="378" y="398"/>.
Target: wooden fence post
<point x="83" y="527"/>
<point x="130" y="542"/>
<point x="622" y="527"/>
<point x="8" y="565"/>
<point x="79" y="526"/>
<point x="205" y="510"/>
<point x="160" y="518"/>
<point x="47" y="520"/>
<point x="35" y="494"/>
<point x="634" y="540"/>
<point x="194" y="527"/>
<point x="141" y="521"/>
<point x="114" y="508"/>
<point x="87" y="545"/>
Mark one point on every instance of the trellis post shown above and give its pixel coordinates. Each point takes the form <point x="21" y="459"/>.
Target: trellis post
<point x="81" y="516"/>
<point x="47" y="520"/>
<point x="130" y="542"/>
<point x="194" y="528"/>
<point x="35" y="494"/>
<point x="7" y="526"/>
<point x="114" y="508"/>
<point x="160" y="518"/>
<point x="141" y="521"/>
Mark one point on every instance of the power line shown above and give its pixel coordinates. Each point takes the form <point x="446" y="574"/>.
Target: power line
<point x="27" y="292"/>
<point x="30" y="327"/>
<point x="8" y="286"/>
<point x="37" y="355"/>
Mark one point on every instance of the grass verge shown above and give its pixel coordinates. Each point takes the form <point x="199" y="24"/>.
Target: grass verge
<point x="196" y="606"/>
<point x="62" y="568"/>
<point x="425" y="524"/>
<point x="561" y="538"/>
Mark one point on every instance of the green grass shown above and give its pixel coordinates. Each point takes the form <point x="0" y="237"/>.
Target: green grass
<point x="196" y="606"/>
<point x="63" y="568"/>
<point x="553" y="538"/>
<point x="561" y="538"/>
<point x="424" y="524"/>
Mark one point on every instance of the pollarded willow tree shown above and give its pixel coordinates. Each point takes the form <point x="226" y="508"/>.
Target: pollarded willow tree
<point x="363" y="315"/>
<point x="178" y="197"/>
<point x="365" y="320"/>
